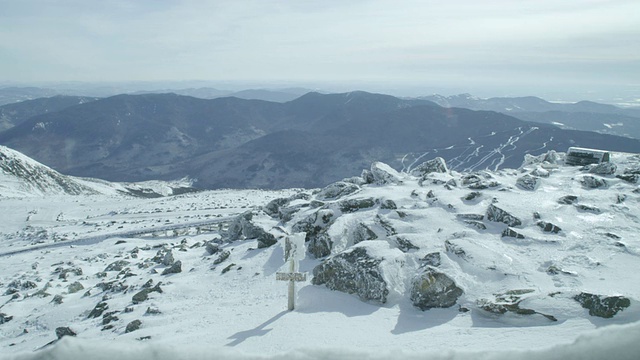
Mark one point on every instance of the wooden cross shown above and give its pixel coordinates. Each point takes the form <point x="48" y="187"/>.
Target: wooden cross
<point x="293" y="251"/>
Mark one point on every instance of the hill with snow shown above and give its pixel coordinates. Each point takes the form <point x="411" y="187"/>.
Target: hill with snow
<point x="416" y="262"/>
<point x="21" y="176"/>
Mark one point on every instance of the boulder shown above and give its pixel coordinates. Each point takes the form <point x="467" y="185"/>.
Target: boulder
<point x="321" y="245"/>
<point x="74" y="287"/>
<point x="567" y="199"/>
<point x="211" y="247"/>
<point x="509" y="302"/>
<point x="472" y="196"/>
<point x="496" y="214"/>
<point x="133" y="326"/>
<point x="602" y="306"/>
<point x="527" y="182"/>
<point x="405" y="245"/>
<point x="64" y="331"/>
<point x="243" y="227"/>
<point x="548" y="227"/>
<point x="592" y="182"/>
<point x="98" y="310"/>
<point x="222" y="257"/>
<point x="433" y="289"/>
<point x="605" y="168"/>
<point x="384" y="174"/>
<point x="143" y="294"/>
<point x="388" y="204"/>
<point x="432" y="259"/>
<point x="337" y="190"/>
<point x="315" y="227"/>
<point x="4" y="318"/>
<point x="509" y="232"/>
<point x="353" y="272"/>
<point x="175" y="268"/>
<point x="117" y="265"/>
<point x="630" y="178"/>
<point x="353" y="205"/>
<point x="361" y="232"/>
<point x="437" y="165"/>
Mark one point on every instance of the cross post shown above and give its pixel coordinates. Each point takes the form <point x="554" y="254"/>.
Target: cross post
<point x="294" y="250"/>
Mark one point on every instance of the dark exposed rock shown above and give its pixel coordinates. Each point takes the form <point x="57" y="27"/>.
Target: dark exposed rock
<point x="315" y="226"/>
<point x="548" y="227"/>
<point x="65" y="272"/>
<point x="527" y="182"/>
<point x="476" y="224"/>
<point x="173" y="269"/>
<point x="472" y="196"/>
<point x="454" y="249"/>
<point x="496" y="214"/>
<point x="388" y="205"/>
<point x="117" y="265"/>
<point x="243" y="227"/>
<point x="509" y="232"/>
<point x="98" y="310"/>
<point x="4" y="318"/>
<point x="74" y="287"/>
<point x="592" y="182"/>
<point x="211" y="247"/>
<point x="477" y="217"/>
<point x="222" y="257"/>
<point x="228" y="267"/>
<point x="353" y="205"/>
<point x="362" y="232"/>
<point x="109" y="317"/>
<point x="353" y="272"/>
<point x="405" y="245"/>
<point x="482" y="185"/>
<point x="630" y="178"/>
<point x="114" y="286"/>
<point x="588" y="208"/>
<point x="22" y="285"/>
<point x="567" y="199"/>
<point x="64" y="331"/>
<point x="144" y="294"/>
<point x="432" y="259"/>
<point x="437" y="165"/>
<point x="152" y="310"/>
<point x="57" y="299"/>
<point x="433" y="289"/>
<point x="273" y="207"/>
<point x="367" y="176"/>
<point x="133" y="326"/>
<point x="321" y="245"/>
<point x="337" y="190"/>
<point x="602" y="306"/>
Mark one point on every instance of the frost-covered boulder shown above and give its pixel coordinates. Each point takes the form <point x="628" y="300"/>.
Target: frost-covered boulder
<point x="567" y="199"/>
<point x="549" y="158"/>
<point x="437" y="165"/>
<point x="337" y="190"/>
<point x="117" y="265"/>
<point x="527" y="182"/>
<point x="433" y="289"/>
<point x="592" y="182"/>
<point x="605" y="168"/>
<point x="243" y="227"/>
<point x="509" y="232"/>
<point x="602" y="306"/>
<point x="496" y="214"/>
<point x="509" y="302"/>
<point x="315" y="226"/>
<point x="133" y="326"/>
<point x="74" y="287"/>
<point x="4" y="318"/>
<point x="353" y="272"/>
<point x="384" y="174"/>
<point x="175" y="268"/>
<point x="64" y="331"/>
<point x="361" y="232"/>
<point x="279" y="208"/>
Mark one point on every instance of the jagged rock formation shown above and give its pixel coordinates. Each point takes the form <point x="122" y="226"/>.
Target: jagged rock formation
<point x="602" y="306"/>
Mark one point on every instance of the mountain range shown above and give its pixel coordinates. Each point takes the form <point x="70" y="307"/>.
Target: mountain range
<point x="311" y="141"/>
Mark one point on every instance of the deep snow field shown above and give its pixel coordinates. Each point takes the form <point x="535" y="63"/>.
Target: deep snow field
<point x="49" y="245"/>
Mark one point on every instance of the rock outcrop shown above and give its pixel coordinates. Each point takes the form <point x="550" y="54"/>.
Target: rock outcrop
<point x="353" y="272"/>
<point x="433" y="289"/>
<point x="496" y="214"/>
<point x="437" y="165"/>
<point x="602" y="306"/>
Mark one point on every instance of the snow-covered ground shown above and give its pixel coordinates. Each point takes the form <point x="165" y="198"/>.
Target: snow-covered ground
<point x="48" y="245"/>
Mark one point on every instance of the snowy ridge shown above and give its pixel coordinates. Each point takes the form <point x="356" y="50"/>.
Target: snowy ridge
<point x="512" y="260"/>
<point x="21" y="176"/>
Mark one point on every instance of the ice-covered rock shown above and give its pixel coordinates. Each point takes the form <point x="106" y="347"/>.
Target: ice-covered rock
<point x="509" y="302"/>
<point x="315" y="227"/>
<point x="567" y="199"/>
<point x="64" y="331"/>
<point x="602" y="306"/>
<point x="527" y="182"/>
<point x="353" y="272"/>
<point x="496" y="214"/>
<point x="592" y="182"/>
<point x="437" y="165"/>
<point x="337" y="190"/>
<point x="133" y="326"/>
<point x="175" y="268"/>
<point x="4" y="318"/>
<point x="605" y="168"/>
<point x="548" y="227"/>
<point x="243" y="227"/>
<point x="434" y="289"/>
<point x="353" y="205"/>
<point x="385" y="174"/>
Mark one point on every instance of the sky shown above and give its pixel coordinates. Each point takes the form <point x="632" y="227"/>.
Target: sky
<point x="407" y="46"/>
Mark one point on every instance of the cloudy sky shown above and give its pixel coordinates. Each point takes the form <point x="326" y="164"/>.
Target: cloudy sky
<point x="512" y="46"/>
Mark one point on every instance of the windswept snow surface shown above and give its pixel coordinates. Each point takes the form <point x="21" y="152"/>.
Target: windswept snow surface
<point x="238" y="305"/>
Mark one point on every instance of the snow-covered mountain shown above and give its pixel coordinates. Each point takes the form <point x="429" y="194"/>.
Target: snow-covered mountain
<point x="21" y="176"/>
<point x="421" y="261"/>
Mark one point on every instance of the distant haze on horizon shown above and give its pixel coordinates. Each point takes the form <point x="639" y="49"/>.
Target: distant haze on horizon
<point x="588" y="48"/>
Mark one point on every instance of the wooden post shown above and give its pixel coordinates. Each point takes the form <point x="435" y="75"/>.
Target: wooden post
<point x="292" y="254"/>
